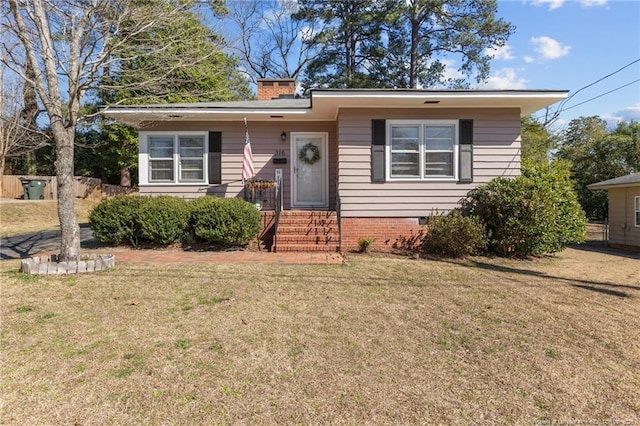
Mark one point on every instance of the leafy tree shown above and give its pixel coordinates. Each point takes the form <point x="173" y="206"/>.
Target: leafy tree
<point x="108" y="150"/>
<point x="72" y="45"/>
<point x="426" y="31"/>
<point x="537" y="143"/>
<point x="164" y="77"/>
<point x="347" y="36"/>
<point x="387" y="43"/>
<point x="597" y="154"/>
<point x="111" y="149"/>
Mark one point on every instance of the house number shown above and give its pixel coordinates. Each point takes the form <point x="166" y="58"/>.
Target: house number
<point x="280" y="153"/>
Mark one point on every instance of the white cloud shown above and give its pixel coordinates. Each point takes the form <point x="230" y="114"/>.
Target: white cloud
<point x="627" y="114"/>
<point x="549" y="48"/>
<point x="553" y="4"/>
<point x="557" y="4"/>
<point x="529" y="59"/>
<point x="505" y="79"/>
<point x="451" y="72"/>
<point x="504" y="52"/>
<point x="593" y="3"/>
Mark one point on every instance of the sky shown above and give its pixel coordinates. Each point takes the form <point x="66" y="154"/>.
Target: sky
<point x="569" y="45"/>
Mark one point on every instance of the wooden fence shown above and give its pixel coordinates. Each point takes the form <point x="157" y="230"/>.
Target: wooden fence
<point x="87" y="188"/>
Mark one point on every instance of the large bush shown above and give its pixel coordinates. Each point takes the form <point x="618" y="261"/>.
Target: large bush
<point x="225" y="221"/>
<point x="163" y="219"/>
<point x="115" y="220"/>
<point x="533" y="214"/>
<point x="454" y="235"/>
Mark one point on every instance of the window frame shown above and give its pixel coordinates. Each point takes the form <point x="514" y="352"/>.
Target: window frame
<point x="146" y="161"/>
<point x="636" y="210"/>
<point x="152" y="160"/>
<point x="422" y="149"/>
<point x="201" y="158"/>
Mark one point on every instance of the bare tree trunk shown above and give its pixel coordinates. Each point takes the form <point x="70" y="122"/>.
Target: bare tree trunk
<point x="69" y="228"/>
<point x="413" y="61"/>
<point x="125" y="177"/>
<point x="2" y="164"/>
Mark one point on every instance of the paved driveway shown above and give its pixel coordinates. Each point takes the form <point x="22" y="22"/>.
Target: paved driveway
<point x="22" y="246"/>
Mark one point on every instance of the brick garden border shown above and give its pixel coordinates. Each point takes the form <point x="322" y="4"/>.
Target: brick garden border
<point x="49" y="265"/>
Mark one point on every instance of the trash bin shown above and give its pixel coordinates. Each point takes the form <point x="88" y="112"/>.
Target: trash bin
<point x="33" y="189"/>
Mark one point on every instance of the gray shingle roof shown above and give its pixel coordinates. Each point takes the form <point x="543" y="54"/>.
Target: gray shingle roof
<point x="282" y="103"/>
<point x="628" y="180"/>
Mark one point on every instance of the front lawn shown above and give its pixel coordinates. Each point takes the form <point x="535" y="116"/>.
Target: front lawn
<point x="384" y="340"/>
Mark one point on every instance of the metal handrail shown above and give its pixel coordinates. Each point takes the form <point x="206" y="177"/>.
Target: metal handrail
<point x="339" y="216"/>
<point x="278" y="208"/>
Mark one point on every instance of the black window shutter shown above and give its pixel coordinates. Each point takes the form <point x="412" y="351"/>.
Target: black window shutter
<point x="466" y="151"/>
<point x="378" y="142"/>
<point x="215" y="157"/>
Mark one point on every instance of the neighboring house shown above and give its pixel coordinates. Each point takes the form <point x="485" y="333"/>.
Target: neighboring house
<point x="624" y="210"/>
<point x="379" y="161"/>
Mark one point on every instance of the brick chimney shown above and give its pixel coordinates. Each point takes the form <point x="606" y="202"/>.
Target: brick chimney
<point x="274" y="88"/>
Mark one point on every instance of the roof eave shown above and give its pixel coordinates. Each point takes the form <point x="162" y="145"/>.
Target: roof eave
<point x="325" y="104"/>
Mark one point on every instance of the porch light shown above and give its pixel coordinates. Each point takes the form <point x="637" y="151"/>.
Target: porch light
<point x="283" y="136"/>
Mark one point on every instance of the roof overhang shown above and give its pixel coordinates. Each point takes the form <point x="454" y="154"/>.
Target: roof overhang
<point x="628" y="181"/>
<point x="324" y="105"/>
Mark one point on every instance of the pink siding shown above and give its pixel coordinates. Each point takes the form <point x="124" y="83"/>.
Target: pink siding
<point x="496" y="153"/>
<point x="622" y="229"/>
<point x="265" y="140"/>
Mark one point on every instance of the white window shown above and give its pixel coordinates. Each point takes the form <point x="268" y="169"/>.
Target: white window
<point x="161" y="159"/>
<point x="422" y="150"/>
<point x="191" y="152"/>
<point x="173" y="158"/>
<point x="637" y="203"/>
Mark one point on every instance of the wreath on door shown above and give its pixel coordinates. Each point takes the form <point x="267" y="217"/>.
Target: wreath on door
<point x="309" y="154"/>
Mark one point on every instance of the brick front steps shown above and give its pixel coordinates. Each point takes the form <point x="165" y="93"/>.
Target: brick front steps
<point x="307" y="231"/>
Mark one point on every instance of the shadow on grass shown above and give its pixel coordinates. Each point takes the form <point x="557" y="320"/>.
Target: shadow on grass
<point x="23" y="246"/>
<point x="598" y="286"/>
<point x="602" y="290"/>
<point x="599" y="247"/>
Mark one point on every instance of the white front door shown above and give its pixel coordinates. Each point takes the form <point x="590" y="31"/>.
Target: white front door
<point x="310" y="170"/>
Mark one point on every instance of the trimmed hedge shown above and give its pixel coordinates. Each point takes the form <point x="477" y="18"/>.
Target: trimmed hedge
<point x="225" y="221"/>
<point x="163" y="219"/>
<point x="115" y="220"/>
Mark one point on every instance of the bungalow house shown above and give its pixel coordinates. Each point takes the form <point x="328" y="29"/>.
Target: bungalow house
<point x="350" y="164"/>
<point x="624" y="210"/>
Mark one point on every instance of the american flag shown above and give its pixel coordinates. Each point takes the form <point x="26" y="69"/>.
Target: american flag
<point x="247" y="156"/>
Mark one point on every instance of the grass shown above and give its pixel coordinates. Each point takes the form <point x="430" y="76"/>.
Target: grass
<point x="385" y="340"/>
<point x="21" y="217"/>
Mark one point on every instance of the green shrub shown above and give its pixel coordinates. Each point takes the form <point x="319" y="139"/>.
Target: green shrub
<point x="365" y="244"/>
<point x="163" y="219"/>
<point x="225" y="221"/>
<point x="115" y="220"/>
<point x="534" y="214"/>
<point x="454" y="235"/>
